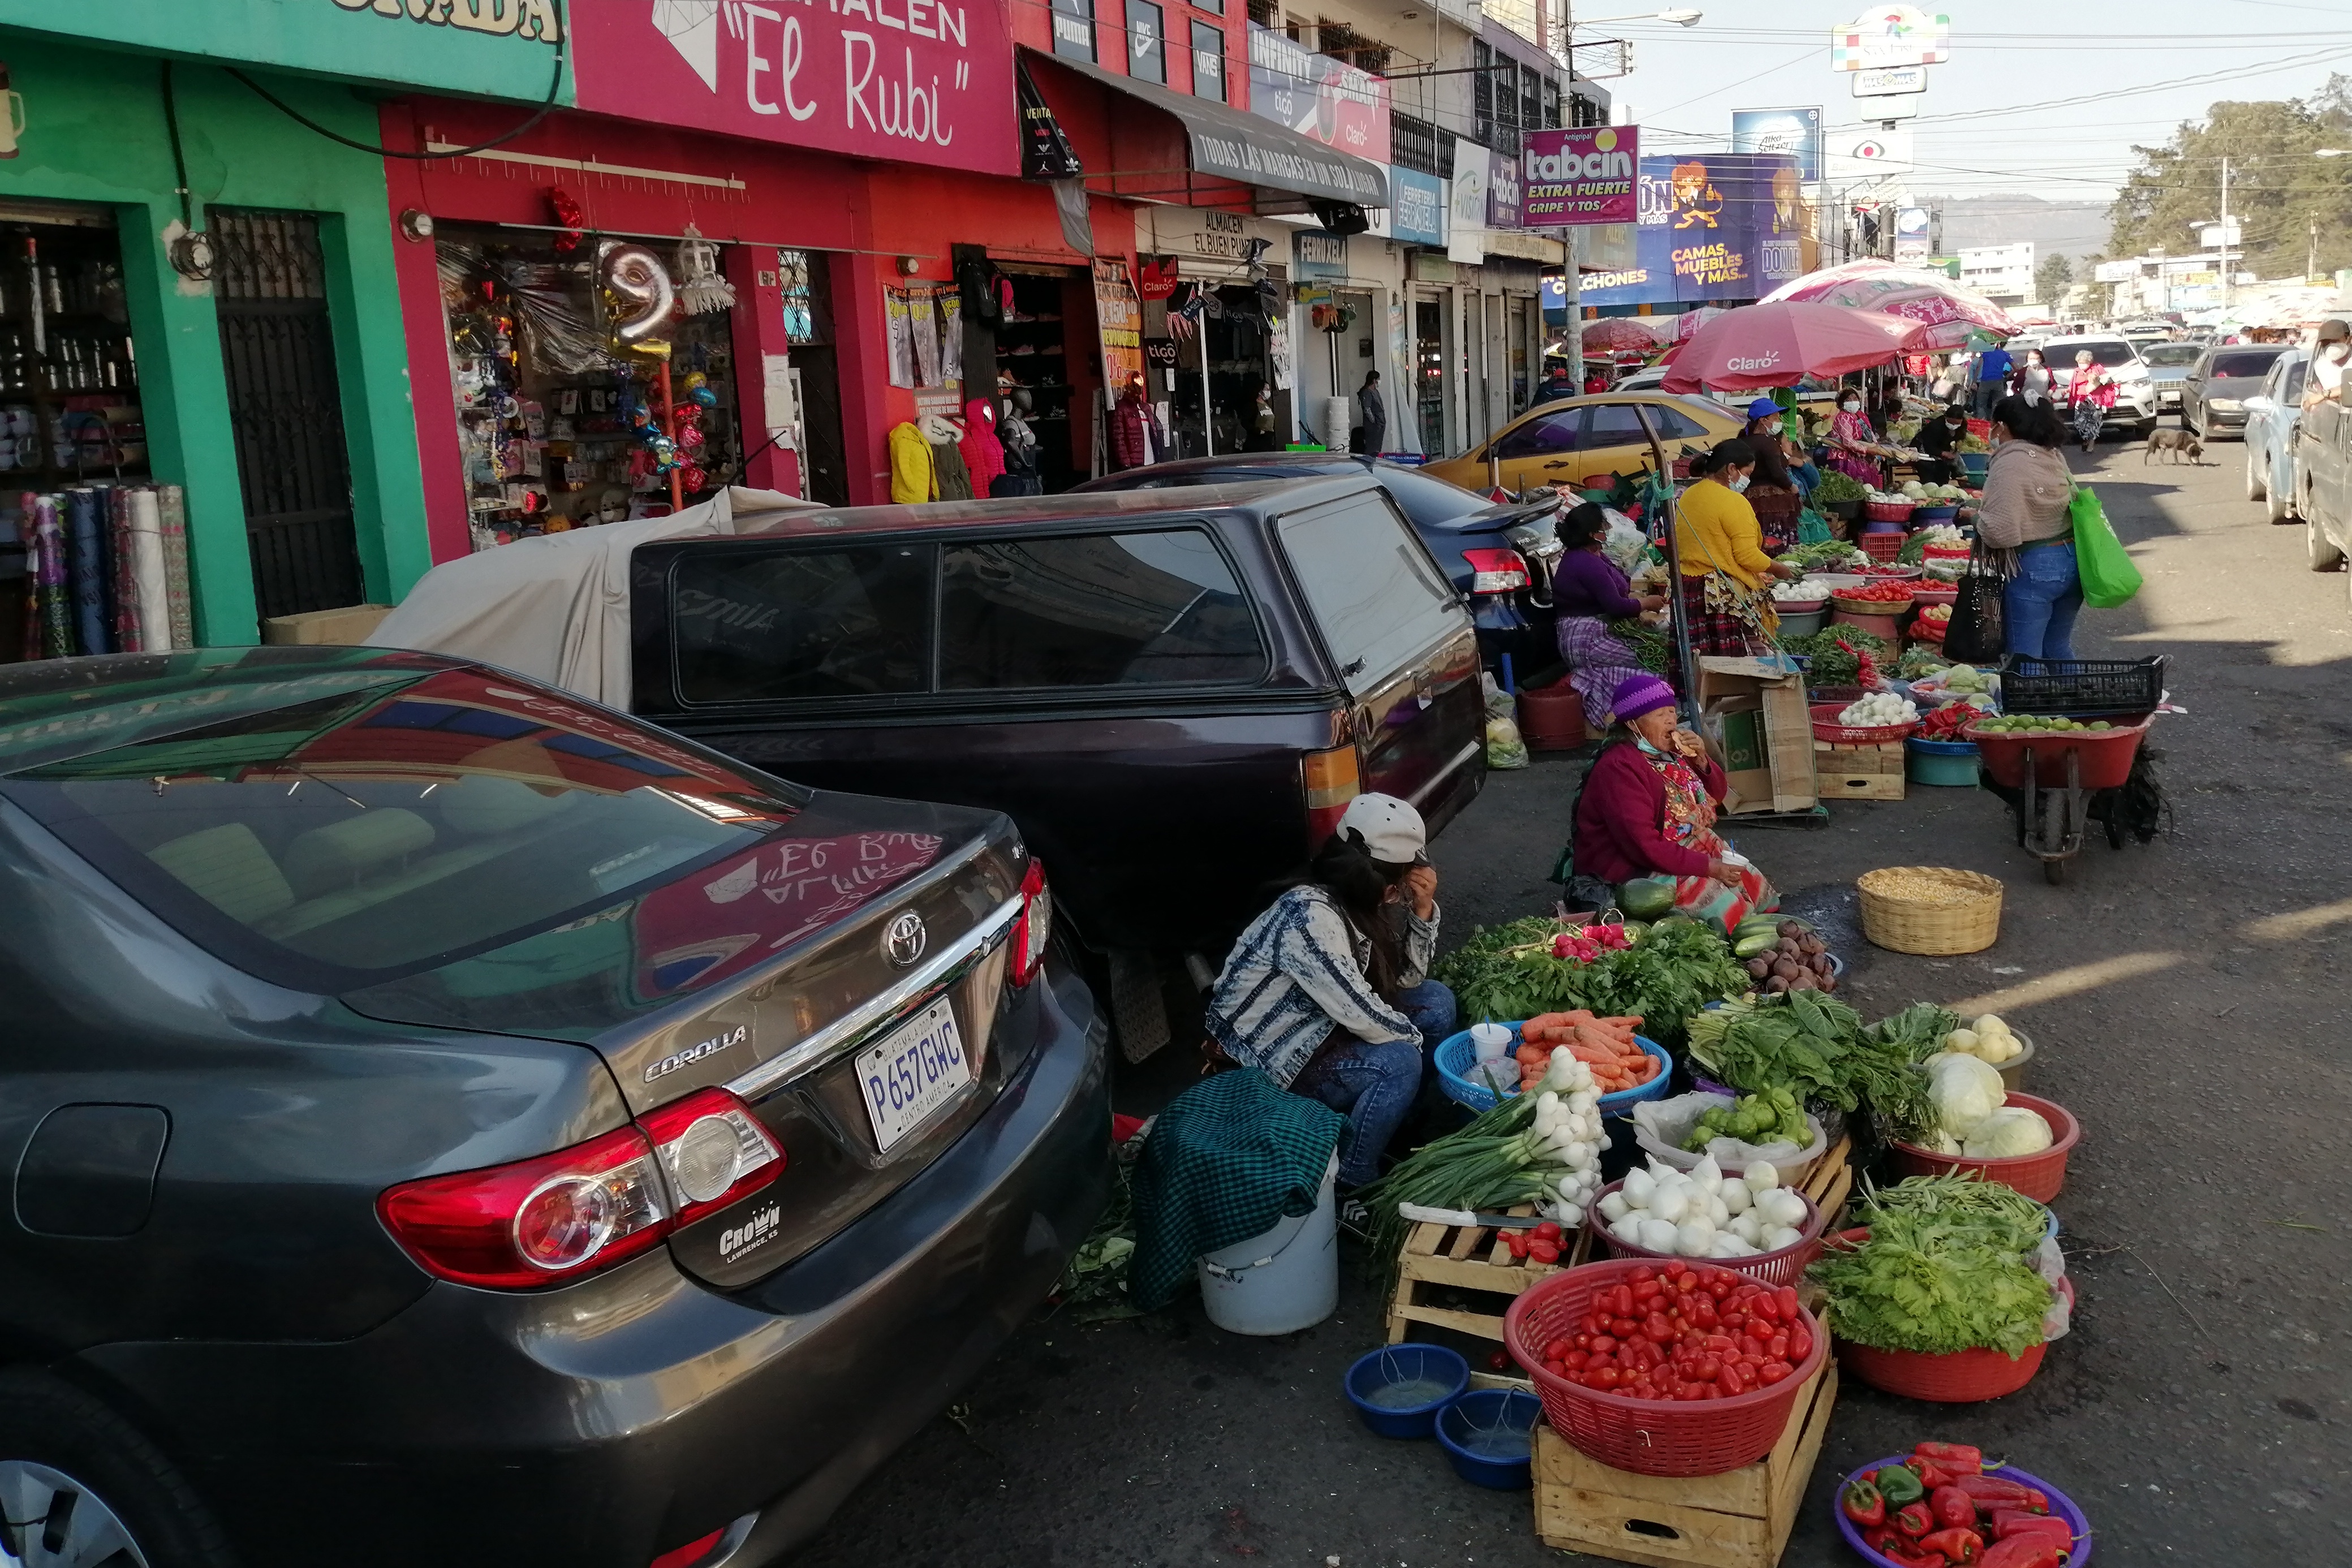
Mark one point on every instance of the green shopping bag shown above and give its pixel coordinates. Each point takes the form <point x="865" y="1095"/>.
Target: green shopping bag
<point x="2109" y="578"/>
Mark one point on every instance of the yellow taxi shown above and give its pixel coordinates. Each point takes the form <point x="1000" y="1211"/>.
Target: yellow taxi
<point x="1577" y="440"/>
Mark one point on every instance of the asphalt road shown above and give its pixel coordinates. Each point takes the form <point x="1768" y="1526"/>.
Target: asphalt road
<point x="2186" y="1001"/>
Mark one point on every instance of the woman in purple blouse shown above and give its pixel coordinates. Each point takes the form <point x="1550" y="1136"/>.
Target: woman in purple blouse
<point x="1590" y="593"/>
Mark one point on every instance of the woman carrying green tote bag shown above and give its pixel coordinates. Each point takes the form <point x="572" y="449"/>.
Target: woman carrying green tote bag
<point x="2109" y="578"/>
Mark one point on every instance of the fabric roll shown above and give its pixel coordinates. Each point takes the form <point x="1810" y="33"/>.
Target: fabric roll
<point x="121" y="580"/>
<point x="28" y="519"/>
<point x="171" y="502"/>
<point x="150" y="581"/>
<point x="86" y="570"/>
<point x="56" y="615"/>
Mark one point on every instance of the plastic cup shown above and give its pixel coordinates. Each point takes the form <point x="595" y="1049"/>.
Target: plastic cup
<point x="1492" y="1041"/>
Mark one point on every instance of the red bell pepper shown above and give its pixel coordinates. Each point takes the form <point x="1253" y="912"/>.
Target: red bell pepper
<point x="1953" y="1509"/>
<point x="1931" y="1474"/>
<point x="1863" y="1504"/>
<point x="1914" y="1519"/>
<point x="2022" y="1552"/>
<point x="1989" y="1492"/>
<point x="1895" y="1552"/>
<point x="1952" y="1458"/>
<point x="1956" y="1546"/>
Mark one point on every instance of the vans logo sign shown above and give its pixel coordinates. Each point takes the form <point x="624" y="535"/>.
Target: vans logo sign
<point x="694" y="1053"/>
<point x="753" y="1234"/>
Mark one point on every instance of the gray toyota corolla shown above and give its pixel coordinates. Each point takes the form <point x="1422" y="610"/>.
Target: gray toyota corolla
<point x="451" y="1123"/>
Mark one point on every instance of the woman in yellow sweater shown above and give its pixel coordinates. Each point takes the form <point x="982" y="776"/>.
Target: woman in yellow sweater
<point x="1726" y="573"/>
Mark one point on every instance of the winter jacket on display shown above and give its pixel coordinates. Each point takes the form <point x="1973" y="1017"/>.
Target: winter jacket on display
<point x="1134" y="437"/>
<point x="914" y="474"/>
<point x="955" y="480"/>
<point x="983" y="454"/>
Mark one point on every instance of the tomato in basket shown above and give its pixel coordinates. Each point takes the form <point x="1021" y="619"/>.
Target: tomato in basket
<point x="1683" y="1332"/>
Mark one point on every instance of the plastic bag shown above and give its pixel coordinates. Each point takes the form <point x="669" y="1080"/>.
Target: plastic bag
<point x="2109" y="578"/>
<point x="1625" y="544"/>
<point x="1661" y="1125"/>
<point x="1500" y="704"/>
<point x="2051" y="1264"/>
<point x="1505" y="748"/>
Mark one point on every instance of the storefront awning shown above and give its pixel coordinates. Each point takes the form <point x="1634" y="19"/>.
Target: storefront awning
<point x="1227" y="143"/>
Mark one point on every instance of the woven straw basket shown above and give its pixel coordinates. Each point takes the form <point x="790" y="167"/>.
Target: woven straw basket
<point x="1909" y="923"/>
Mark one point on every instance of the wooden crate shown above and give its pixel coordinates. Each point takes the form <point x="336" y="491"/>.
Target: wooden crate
<point x="1466" y="1258"/>
<point x="1831" y="1180"/>
<point x="1738" y="1520"/>
<point x="1871" y="772"/>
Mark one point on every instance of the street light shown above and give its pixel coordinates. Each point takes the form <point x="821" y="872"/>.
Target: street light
<point x="1678" y="18"/>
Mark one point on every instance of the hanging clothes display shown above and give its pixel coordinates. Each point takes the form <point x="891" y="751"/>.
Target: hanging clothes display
<point x="983" y="454"/>
<point x="1019" y="447"/>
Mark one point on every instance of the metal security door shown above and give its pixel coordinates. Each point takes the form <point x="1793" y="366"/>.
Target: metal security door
<point x="286" y="410"/>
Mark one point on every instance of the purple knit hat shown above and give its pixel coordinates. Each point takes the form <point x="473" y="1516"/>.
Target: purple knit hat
<point x="1640" y="694"/>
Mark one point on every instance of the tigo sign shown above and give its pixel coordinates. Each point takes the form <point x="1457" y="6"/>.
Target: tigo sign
<point x="1584" y="177"/>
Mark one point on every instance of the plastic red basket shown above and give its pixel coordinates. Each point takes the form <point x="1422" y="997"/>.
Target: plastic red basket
<point x="1647" y="1437"/>
<point x="1786" y="1267"/>
<point x="1888" y="512"/>
<point x="1944" y="551"/>
<point x="1881" y="546"/>
<point x="2105" y="755"/>
<point x="2039" y="1176"/>
<point x="1928" y="595"/>
<point x="1827" y="727"/>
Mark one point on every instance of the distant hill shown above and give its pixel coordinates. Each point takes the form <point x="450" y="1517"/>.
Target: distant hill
<point x="2068" y="228"/>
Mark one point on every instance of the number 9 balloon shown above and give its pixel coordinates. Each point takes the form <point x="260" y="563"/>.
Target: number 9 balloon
<point x="644" y="295"/>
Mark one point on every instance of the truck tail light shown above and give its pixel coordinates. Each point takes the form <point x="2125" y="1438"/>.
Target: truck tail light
<point x="557" y="1217"/>
<point x="1331" y="782"/>
<point x="1035" y="927"/>
<point x="1496" y="571"/>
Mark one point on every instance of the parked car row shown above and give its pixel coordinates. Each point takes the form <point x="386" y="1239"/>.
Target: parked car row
<point x="475" y="1059"/>
<point x="2299" y="461"/>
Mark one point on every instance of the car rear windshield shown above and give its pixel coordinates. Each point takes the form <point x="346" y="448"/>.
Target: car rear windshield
<point x="2109" y="352"/>
<point x="362" y="837"/>
<point x="2242" y="366"/>
<point x="2171" y="353"/>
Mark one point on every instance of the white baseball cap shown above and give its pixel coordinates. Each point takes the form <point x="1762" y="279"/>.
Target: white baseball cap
<point x="1391" y="829"/>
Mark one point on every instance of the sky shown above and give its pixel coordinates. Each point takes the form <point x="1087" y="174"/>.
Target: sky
<point x="1988" y="125"/>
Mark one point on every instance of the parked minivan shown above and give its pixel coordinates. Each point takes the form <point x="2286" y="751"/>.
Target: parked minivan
<point x="1174" y="693"/>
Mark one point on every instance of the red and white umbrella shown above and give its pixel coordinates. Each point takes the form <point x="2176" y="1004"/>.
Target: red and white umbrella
<point x="1779" y="343"/>
<point x="1692" y="320"/>
<point x="1949" y="312"/>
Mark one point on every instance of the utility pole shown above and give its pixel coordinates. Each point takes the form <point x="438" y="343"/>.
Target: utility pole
<point x="2225" y="238"/>
<point x="2311" y="256"/>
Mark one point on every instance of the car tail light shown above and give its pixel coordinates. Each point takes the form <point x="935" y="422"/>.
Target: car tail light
<point x="1035" y="928"/>
<point x="689" y="1555"/>
<point x="1496" y="571"/>
<point x="1331" y="782"/>
<point x="556" y="1217"/>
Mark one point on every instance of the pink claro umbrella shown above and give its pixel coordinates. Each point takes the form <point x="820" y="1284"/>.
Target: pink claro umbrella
<point x="1756" y="346"/>
<point x="1950" y="311"/>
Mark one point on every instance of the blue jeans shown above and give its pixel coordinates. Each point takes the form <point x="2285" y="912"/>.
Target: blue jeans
<point x="2041" y="603"/>
<point x="1375" y="1085"/>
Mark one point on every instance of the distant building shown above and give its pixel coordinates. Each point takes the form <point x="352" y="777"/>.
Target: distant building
<point x="2001" y="273"/>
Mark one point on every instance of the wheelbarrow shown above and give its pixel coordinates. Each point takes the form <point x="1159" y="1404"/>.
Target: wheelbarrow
<point x="2057" y="782"/>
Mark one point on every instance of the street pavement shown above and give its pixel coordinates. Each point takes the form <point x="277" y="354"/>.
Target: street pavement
<point x="2186" y="1000"/>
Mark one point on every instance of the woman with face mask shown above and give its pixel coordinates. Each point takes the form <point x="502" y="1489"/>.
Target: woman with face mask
<point x="2092" y="391"/>
<point x="2033" y="381"/>
<point x="1726" y="576"/>
<point x="1773" y="491"/>
<point x="1940" y="438"/>
<point x="2330" y="357"/>
<point x="1854" y="441"/>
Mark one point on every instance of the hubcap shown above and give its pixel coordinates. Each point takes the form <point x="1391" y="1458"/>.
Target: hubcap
<point x="49" y="1520"/>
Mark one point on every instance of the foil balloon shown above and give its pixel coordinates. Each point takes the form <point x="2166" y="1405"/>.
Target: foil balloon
<point x="689" y="439"/>
<point x="692" y="478"/>
<point x="640" y="293"/>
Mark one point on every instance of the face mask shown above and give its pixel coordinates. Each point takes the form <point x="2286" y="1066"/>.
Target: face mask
<point x="2031" y="398"/>
<point x="1771" y="428"/>
<point x="1644" y="744"/>
<point x="2336" y="352"/>
<point x="1737" y="485"/>
<point x="1851" y="406"/>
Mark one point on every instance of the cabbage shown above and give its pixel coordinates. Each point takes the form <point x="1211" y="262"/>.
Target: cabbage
<point x="1964" y="1090"/>
<point x="2007" y="1132"/>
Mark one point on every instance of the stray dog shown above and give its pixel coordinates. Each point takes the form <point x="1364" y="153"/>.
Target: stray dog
<point x="2175" y="442"/>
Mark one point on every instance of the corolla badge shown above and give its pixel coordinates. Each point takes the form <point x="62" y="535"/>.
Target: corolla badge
<point x="904" y="939"/>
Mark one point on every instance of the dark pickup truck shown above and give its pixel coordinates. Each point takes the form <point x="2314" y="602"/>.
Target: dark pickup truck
<point x="1172" y="693"/>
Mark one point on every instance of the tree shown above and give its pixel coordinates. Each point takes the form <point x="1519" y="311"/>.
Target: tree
<point x="2051" y="278"/>
<point x="2277" y="188"/>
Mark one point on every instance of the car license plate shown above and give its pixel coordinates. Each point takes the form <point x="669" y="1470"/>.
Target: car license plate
<point x="913" y="1072"/>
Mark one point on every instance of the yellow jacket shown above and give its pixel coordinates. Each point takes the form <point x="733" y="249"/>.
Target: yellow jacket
<point x="914" y="475"/>
<point x="1715" y="530"/>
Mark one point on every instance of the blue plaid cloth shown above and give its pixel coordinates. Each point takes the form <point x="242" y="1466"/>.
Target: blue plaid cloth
<point x="1229" y="1159"/>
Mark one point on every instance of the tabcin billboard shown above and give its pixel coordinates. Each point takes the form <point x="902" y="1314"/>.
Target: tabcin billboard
<point x="1582" y="176"/>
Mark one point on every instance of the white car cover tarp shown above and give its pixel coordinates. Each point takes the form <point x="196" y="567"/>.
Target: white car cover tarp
<point x="556" y="608"/>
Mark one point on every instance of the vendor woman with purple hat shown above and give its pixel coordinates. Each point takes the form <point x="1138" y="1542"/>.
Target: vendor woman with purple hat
<point x="1647" y="809"/>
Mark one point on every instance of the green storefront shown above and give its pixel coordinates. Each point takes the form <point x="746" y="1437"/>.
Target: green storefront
<point x="261" y="367"/>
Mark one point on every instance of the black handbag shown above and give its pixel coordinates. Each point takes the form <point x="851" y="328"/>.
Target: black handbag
<point x="1978" y="634"/>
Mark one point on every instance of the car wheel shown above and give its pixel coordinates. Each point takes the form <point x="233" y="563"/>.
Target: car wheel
<point x="2255" y="479"/>
<point x="2278" y="507"/>
<point x="80" y="1485"/>
<point x="2317" y="549"/>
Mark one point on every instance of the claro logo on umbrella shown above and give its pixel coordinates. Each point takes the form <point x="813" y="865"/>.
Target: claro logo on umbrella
<point x="1748" y="363"/>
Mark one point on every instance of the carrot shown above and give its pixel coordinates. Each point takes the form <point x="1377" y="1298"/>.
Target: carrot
<point x="1540" y="1023"/>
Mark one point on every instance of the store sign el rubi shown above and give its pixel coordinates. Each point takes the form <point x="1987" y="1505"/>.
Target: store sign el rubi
<point x="921" y="81"/>
<point x="525" y="18"/>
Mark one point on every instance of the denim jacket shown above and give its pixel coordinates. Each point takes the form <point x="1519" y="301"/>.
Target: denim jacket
<point x="1299" y="970"/>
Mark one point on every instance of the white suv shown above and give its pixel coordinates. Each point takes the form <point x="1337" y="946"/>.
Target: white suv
<point x="2135" y="395"/>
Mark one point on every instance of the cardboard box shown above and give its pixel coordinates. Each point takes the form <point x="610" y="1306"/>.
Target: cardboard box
<point x="344" y="627"/>
<point x="1755" y="716"/>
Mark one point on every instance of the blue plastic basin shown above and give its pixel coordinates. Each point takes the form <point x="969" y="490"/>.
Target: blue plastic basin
<point x="1458" y="1076"/>
<point x="1469" y="1429"/>
<point x="1424" y="1378"/>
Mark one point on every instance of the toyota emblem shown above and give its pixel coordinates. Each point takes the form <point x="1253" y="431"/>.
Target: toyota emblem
<point x="905" y="939"/>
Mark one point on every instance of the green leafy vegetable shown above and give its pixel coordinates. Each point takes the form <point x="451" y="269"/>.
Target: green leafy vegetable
<point x="1649" y="644"/>
<point x="1943" y="1269"/>
<point x="1665" y="978"/>
<point x="1816" y="1047"/>
<point x="1836" y="487"/>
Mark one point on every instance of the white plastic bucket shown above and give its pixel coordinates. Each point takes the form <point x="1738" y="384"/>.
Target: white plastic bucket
<point x="1283" y="1280"/>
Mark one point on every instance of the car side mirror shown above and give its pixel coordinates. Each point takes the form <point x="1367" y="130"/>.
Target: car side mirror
<point x="2260" y="404"/>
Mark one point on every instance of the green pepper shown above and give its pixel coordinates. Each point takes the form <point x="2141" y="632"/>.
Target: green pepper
<point x="1899" y="1486"/>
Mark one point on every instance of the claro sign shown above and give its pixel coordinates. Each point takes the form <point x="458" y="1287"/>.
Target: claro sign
<point x="918" y="81"/>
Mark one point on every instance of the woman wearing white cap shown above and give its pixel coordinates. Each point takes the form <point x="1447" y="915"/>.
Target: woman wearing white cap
<point x="1326" y="994"/>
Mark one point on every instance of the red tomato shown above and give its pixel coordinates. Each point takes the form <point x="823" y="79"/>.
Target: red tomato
<point x="1801" y="1345"/>
<point x="1557" y="1349"/>
<point x="1605" y="1377"/>
<point x="1626" y="1326"/>
<point x="1621" y="1302"/>
<point x="1657" y="1329"/>
<point x="1603" y="1344"/>
<point x="1557" y="1368"/>
<point x="1577" y="1359"/>
<point x="1772" y="1371"/>
<point x="1544" y="1251"/>
<point x="1643" y="1275"/>
<point x="1547" y="1231"/>
<point x="1710" y="1366"/>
